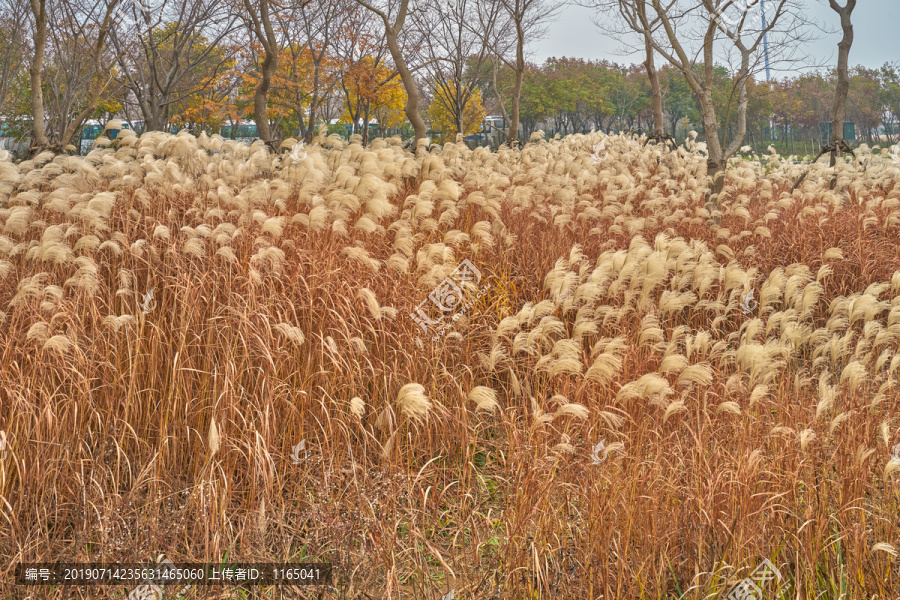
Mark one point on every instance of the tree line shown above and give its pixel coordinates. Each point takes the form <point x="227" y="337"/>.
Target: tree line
<point x="287" y="64"/>
<point x="572" y="95"/>
<point x="290" y="65"/>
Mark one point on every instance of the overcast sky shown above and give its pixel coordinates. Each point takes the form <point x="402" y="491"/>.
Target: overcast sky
<point x="876" y="28"/>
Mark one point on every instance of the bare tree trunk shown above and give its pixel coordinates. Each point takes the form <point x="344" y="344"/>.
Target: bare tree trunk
<point x="496" y="68"/>
<point x="460" y="109"/>
<point x="265" y="34"/>
<point x="39" y="8"/>
<point x="409" y="84"/>
<point x="261" y="96"/>
<point x="702" y="85"/>
<point x="715" y="162"/>
<point x="94" y="97"/>
<point x="513" y="135"/>
<point x="658" y="122"/>
<point x="66" y="127"/>
<point x="307" y="130"/>
<point x="73" y="126"/>
<point x="839" y="108"/>
<point x="365" y="135"/>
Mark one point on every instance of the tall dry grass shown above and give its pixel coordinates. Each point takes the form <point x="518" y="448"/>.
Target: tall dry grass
<point x="282" y="290"/>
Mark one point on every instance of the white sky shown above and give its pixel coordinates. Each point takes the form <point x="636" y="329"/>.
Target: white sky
<point x="876" y="29"/>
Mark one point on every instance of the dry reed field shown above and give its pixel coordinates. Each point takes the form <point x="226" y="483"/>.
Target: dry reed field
<point x="211" y="351"/>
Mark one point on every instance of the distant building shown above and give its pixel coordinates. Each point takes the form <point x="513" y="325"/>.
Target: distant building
<point x="492" y="133"/>
<point x="245" y="131"/>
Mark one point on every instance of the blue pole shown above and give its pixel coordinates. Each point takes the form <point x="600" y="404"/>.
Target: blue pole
<point x="762" y="5"/>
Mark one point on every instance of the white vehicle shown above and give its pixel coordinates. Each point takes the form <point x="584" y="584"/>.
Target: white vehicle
<point x="494" y="129"/>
